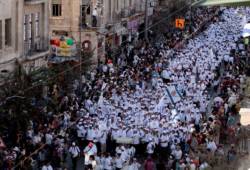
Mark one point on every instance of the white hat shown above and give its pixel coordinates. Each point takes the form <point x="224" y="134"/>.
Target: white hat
<point x="16" y="149"/>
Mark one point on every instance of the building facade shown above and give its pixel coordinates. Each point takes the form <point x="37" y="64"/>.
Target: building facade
<point x="23" y="34"/>
<point x="97" y="23"/>
<point x="10" y="43"/>
<point x="70" y="18"/>
<point x="35" y="33"/>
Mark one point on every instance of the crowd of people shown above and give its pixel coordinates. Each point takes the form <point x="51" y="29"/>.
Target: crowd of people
<point x="126" y="114"/>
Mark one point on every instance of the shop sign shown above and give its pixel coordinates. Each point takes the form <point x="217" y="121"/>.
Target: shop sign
<point x="180" y="23"/>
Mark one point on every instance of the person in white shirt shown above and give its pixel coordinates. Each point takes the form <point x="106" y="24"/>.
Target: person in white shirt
<point x="92" y="163"/>
<point x="103" y="140"/>
<point x="37" y="139"/>
<point x="132" y="151"/>
<point x="75" y="153"/>
<point x="48" y="138"/>
<point x="211" y="145"/>
<point x="136" y="60"/>
<point x="90" y="134"/>
<point x="118" y="162"/>
<point x="178" y="153"/>
<point x="47" y="167"/>
<point x="108" y="165"/>
<point x="94" y="17"/>
<point x="134" y="165"/>
<point x="89" y="150"/>
<point x="150" y="147"/>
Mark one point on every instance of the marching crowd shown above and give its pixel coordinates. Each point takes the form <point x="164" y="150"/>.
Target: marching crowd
<point x="152" y="106"/>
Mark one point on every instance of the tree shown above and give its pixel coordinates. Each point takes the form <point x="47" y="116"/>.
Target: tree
<point x="21" y="96"/>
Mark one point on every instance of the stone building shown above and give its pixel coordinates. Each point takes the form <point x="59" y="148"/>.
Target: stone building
<point x="69" y="18"/>
<point x="35" y="28"/>
<point x="23" y="34"/>
<point x="97" y="23"/>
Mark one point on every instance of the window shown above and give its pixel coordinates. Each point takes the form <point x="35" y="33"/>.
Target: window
<point x="109" y="9"/>
<point x="82" y="10"/>
<point x="1" y="39"/>
<point x="88" y="10"/>
<point x="117" y="5"/>
<point x="8" y="32"/>
<point x="37" y="24"/>
<point x="83" y="21"/>
<point x="56" y="8"/>
<point x="25" y="28"/>
<point x="29" y="30"/>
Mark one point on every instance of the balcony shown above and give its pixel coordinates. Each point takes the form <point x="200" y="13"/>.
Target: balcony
<point x="116" y="17"/>
<point x="89" y="23"/>
<point x="128" y="12"/>
<point x="36" y="49"/>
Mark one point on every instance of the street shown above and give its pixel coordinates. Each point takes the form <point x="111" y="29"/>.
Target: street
<point x="129" y="95"/>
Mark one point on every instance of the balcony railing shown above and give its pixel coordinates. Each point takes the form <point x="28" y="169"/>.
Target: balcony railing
<point x="127" y="12"/>
<point x="33" y="48"/>
<point x="34" y="1"/>
<point x="89" y="23"/>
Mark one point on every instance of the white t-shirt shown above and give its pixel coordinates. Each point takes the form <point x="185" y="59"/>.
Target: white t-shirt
<point x="134" y="166"/>
<point x="150" y="148"/>
<point x="45" y="167"/>
<point x="37" y="139"/>
<point x="119" y="162"/>
<point x="48" y="138"/>
<point x="212" y="146"/>
<point x="94" y="13"/>
<point x="108" y="163"/>
<point x="74" y="151"/>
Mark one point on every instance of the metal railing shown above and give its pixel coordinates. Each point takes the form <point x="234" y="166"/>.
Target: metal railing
<point x="36" y="47"/>
<point x="127" y="12"/>
<point x="89" y="22"/>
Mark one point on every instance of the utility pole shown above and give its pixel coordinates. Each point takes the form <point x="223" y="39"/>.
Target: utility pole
<point x="191" y="17"/>
<point x="146" y="21"/>
<point x="80" y="47"/>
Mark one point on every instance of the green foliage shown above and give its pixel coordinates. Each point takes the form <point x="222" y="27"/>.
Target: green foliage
<point x="21" y="87"/>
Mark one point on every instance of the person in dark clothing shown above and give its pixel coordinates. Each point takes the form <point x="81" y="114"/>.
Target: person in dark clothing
<point x="149" y="164"/>
<point x="161" y="164"/>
